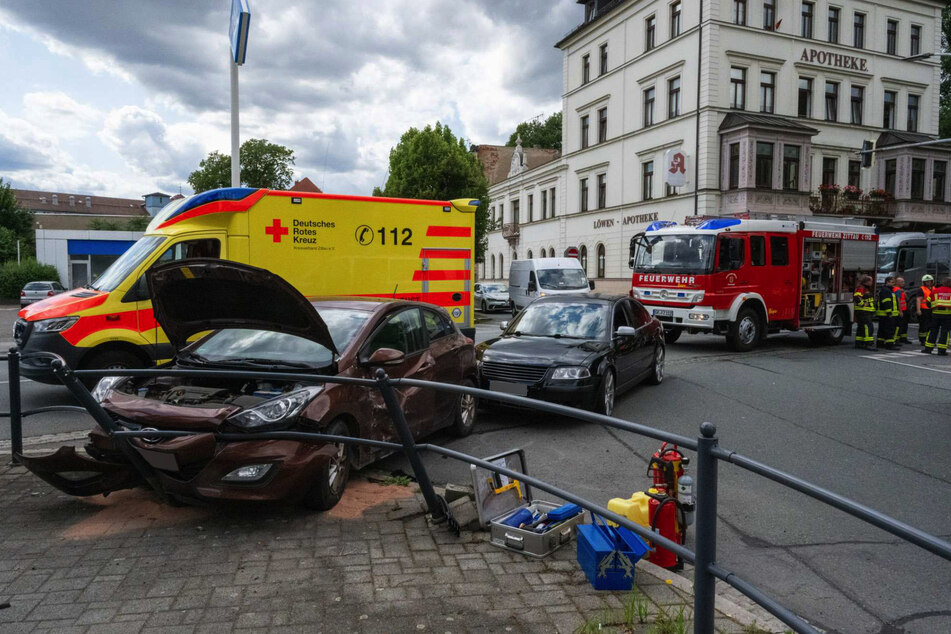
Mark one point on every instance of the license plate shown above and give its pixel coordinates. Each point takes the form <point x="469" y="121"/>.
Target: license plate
<point x="663" y="312"/>
<point x="518" y="389"/>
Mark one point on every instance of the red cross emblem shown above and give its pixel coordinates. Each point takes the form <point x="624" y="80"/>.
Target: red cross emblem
<point x="276" y="230"/>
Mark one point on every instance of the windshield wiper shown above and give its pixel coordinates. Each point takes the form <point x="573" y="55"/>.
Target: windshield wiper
<point x="192" y="356"/>
<point x="270" y="363"/>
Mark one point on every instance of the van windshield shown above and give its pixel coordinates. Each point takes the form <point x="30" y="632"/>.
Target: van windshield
<point x="673" y="253"/>
<point x="562" y="279"/>
<point x="127" y="263"/>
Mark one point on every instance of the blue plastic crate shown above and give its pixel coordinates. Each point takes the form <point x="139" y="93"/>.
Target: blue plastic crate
<point x="607" y="555"/>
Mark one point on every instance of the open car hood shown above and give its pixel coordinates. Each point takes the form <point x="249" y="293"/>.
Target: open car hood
<point x="190" y="296"/>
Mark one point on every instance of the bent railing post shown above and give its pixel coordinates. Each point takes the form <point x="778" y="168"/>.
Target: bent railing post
<point x="409" y="445"/>
<point x="16" y="416"/>
<point x="704" y="582"/>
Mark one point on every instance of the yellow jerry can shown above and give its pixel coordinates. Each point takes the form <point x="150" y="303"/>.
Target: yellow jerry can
<point x="636" y="508"/>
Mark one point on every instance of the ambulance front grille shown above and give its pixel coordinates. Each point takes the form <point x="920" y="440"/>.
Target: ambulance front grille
<point x="513" y="372"/>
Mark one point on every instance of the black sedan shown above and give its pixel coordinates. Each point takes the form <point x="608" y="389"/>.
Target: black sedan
<point x="579" y="350"/>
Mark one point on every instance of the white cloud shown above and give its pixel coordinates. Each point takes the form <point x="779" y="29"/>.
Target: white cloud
<point x="142" y="138"/>
<point x="59" y="115"/>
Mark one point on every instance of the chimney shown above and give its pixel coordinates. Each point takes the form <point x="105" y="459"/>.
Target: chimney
<point x="72" y="201"/>
<point x="55" y="201"/>
<point x="88" y="202"/>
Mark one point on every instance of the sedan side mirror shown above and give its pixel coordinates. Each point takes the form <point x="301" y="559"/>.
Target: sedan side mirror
<point x="385" y="356"/>
<point x="503" y="325"/>
<point x="627" y="331"/>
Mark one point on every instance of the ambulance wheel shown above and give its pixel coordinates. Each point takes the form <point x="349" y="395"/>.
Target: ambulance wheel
<point x="333" y="476"/>
<point x="745" y="331"/>
<point x="110" y="360"/>
<point x="605" y="402"/>
<point x="464" y="418"/>
<point x="672" y="334"/>
<point x="656" y="376"/>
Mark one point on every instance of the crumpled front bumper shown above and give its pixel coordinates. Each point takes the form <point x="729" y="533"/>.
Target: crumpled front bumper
<point x="76" y="474"/>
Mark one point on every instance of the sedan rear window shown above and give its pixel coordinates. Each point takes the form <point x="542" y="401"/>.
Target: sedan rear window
<point x="578" y="320"/>
<point x="36" y="286"/>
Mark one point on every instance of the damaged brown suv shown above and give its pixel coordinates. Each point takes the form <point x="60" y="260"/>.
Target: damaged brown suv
<point x="258" y="322"/>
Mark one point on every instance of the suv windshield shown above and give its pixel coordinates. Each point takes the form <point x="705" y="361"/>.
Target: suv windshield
<point x="576" y="320"/>
<point x="562" y="279"/>
<point x="673" y="253"/>
<point x="243" y="345"/>
<point x="127" y="263"/>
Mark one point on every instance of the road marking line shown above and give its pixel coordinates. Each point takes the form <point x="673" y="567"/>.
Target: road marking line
<point x="910" y="365"/>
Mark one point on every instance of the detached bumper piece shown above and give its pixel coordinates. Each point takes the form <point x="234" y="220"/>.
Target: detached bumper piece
<point x="78" y="475"/>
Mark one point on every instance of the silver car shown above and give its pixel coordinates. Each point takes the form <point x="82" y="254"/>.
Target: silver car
<point x="491" y="297"/>
<point x="35" y="291"/>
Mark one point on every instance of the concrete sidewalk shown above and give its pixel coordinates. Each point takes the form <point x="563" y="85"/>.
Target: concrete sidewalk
<point x="372" y="564"/>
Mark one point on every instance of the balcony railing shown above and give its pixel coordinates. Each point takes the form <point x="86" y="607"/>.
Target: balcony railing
<point x="839" y="204"/>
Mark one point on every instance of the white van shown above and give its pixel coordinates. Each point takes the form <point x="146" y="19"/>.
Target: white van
<point x="530" y="279"/>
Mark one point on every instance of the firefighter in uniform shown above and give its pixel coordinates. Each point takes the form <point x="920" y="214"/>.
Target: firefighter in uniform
<point x="864" y="304"/>
<point x="940" y="333"/>
<point x="923" y="309"/>
<point x="884" y="310"/>
<point x="901" y="302"/>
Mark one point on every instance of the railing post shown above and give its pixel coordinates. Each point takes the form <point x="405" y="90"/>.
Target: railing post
<point x="16" y="407"/>
<point x="409" y="445"/>
<point x="704" y="582"/>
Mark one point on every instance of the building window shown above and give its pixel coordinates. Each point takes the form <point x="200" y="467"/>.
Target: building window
<point x="585" y="69"/>
<point x="891" y="169"/>
<point x="734" y="181"/>
<point x="501" y="213"/>
<point x="501" y="267"/>
<point x="584" y="132"/>
<point x="493" y="266"/>
<point x="828" y="171"/>
<point x="603" y="57"/>
<point x="648" y="107"/>
<point x="739" y="12"/>
<point x="515" y="212"/>
<point x="855" y="171"/>
<point x="791" y="167"/>
<point x="669" y="190"/>
<point x="891" y="37"/>
<point x="551" y="202"/>
<point x="529" y="254"/>
<point x="737" y="88"/>
<point x="673" y="97"/>
<point x="858" y="31"/>
<point x="808" y="13"/>
<point x="647" y="180"/>
<point x="938" y="176"/>
<point x="584" y="194"/>
<point x="805" y="97"/>
<point x="832" y="101"/>
<point x="767" y="92"/>
<point x="602" y="191"/>
<point x="600" y="260"/>
<point x="918" y="179"/>
<point x="888" y="113"/>
<point x="531" y="207"/>
<point x="858" y="101"/>
<point x="675" y="19"/>
<point x="602" y="125"/>
<point x="913" y="102"/>
<point x="583" y="258"/>
<point x="551" y="252"/>
<point x="834" y="25"/>
<point x="544" y="199"/>
<point x="764" y="165"/>
<point x="769" y="15"/>
<point x="915" y="40"/>
<point x="650" y="27"/>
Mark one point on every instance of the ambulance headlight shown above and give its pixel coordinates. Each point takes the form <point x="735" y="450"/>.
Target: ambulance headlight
<point x="57" y="324"/>
<point x="697" y="297"/>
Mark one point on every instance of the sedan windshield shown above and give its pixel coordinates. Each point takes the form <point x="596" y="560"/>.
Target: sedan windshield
<point x="673" y="253"/>
<point x="562" y="279"/>
<point x="576" y="320"/>
<point x="266" y="347"/>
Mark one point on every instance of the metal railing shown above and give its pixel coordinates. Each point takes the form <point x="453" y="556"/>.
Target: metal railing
<point x="707" y="569"/>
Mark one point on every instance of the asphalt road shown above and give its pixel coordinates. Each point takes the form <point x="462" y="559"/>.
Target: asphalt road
<point x="873" y="427"/>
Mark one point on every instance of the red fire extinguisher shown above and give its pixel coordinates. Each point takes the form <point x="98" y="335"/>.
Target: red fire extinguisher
<point x="666" y="466"/>
<point x="663" y="511"/>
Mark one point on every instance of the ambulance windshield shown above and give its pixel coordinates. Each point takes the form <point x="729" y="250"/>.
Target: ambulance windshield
<point x="676" y="253"/>
<point x="127" y="263"/>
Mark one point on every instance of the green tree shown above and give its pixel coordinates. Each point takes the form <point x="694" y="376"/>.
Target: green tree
<point x="263" y="164"/>
<point x="534" y="133"/>
<point x="17" y="221"/>
<point x="944" y="128"/>
<point x="433" y="164"/>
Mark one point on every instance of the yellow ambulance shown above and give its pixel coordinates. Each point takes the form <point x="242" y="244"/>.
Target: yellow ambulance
<point x="323" y="244"/>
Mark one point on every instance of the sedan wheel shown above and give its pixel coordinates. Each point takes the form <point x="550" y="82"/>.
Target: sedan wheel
<point x="657" y="368"/>
<point x="605" y="403"/>
<point x="333" y="476"/>
<point x="465" y="416"/>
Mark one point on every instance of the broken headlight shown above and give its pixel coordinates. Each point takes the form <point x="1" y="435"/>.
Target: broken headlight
<point x="276" y="413"/>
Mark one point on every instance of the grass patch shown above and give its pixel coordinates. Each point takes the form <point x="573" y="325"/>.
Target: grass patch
<point x="400" y="481"/>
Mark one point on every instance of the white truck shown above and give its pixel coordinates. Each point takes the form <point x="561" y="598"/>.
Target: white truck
<point x="912" y="255"/>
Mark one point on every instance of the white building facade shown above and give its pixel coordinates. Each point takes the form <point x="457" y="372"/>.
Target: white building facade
<point x="764" y="101"/>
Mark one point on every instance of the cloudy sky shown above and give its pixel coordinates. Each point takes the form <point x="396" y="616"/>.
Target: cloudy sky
<point x="125" y="97"/>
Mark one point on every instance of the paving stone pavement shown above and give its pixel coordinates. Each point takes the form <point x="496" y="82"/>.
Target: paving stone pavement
<point x="129" y="564"/>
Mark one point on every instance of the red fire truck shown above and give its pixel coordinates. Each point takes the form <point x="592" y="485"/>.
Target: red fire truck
<point x="745" y="278"/>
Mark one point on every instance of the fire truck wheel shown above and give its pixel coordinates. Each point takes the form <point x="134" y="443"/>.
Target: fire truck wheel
<point x="332" y="478"/>
<point x="110" y="360"/>
<point x="605" y="402"/>
<point x="745" y="331"/>
<point x="464" y="417"/>
<point x="672" y="334"/>
<point x="834" y="337"/>
<point x="657" y="368"/>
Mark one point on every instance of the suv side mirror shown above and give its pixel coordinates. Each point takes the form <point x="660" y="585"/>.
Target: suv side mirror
<point x="385" y="356"/>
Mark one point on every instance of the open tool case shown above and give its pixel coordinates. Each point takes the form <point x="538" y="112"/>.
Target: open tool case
<point x="499" y="497"/>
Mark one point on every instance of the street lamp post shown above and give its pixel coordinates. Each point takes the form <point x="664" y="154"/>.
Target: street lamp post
<point x="920" y="56"/>
<point x="240" y="21"/>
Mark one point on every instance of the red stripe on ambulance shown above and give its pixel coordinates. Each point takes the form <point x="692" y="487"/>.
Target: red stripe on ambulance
<point x="435" y="231"/>
<point x="445" y="254"/>
<point x="433" y="276"/>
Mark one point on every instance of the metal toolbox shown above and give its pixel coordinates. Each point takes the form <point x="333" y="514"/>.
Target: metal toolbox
<point x="499" y="496"/>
